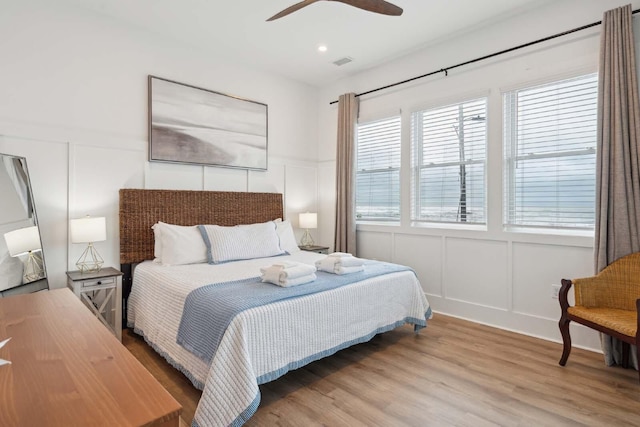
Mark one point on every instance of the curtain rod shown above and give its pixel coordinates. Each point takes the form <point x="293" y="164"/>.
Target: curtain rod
<point x="482" y="58"/>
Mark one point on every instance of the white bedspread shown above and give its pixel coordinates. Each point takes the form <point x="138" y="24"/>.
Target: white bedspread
<point x="263" y="343"/>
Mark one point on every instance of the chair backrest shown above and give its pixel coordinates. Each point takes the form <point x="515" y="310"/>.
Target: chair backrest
<point x="616" y="286"/>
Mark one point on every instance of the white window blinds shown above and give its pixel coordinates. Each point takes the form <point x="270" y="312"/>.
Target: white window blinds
<point x="550" y="145"/>
<point x="449" y="155"/>
<point x="378" y="170"/>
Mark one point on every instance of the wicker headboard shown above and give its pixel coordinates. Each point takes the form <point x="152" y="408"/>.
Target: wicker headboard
<point x="140" y="209"/>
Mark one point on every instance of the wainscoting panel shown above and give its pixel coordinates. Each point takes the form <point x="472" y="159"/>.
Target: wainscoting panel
<point x="536" y="267"/>
<point x="374" y="245"/>
<point x="224" y="179"/>
<point x="93" y="190"/>
<point x="173" y="176"/>
<point x="301" y="183"/>
<point x="475" y="271"/>
<point x="327" y="203"/>
<point x="424" y="254"/>
<point x="270" y="181"/>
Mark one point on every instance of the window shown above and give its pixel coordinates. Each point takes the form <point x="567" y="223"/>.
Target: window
<point x="378" y="171"/>
<point x="550" y="153"/>
<point x="449" y="154"/>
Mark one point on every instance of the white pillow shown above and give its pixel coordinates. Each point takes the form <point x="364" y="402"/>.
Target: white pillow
<point x="11" y="270"/>
<point x="287" y="238"/>
<point x="157" y="242"/>
<point x="241" y="242"/>
<point x="179" y="244"/>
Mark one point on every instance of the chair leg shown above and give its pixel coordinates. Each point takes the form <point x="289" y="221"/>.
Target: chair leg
<point x="638" y="356"/>
<point x="566" y="339"/>
<point x="626" y="350"/>
<point x="638" y="336"/>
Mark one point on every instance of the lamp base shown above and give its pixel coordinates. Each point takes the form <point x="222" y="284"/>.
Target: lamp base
<point x="90" y="260"/>
<point x="306" y="240"/>
<point x="33" y="268"/>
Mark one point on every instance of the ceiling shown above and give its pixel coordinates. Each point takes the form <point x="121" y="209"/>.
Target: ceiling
<point x="237" y="30"/>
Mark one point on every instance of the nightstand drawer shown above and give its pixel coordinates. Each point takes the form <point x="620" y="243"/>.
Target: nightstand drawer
<point x="107" y="281"/>
<point x="101" y="292"/>
<point x="316" y="249"/>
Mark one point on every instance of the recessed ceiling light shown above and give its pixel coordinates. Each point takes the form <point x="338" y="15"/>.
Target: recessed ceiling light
<point x="322" y="48"/>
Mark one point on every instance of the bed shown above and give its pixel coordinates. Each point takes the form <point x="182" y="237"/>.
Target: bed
<point x="262" y="342"/>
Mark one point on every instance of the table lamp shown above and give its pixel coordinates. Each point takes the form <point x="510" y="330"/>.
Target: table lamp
<point x="88" y="230"/>
<point x="308" y="220"/>
<point x="26" y="241"/>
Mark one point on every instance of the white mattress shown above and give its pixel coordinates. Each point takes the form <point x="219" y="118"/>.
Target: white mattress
<point x="265" y="342"/>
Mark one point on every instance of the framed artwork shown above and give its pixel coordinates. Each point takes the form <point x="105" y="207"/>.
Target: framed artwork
<point x="188" y="124"/>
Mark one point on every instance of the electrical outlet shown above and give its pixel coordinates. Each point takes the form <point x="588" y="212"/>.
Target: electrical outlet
<point x="555" y="291"/>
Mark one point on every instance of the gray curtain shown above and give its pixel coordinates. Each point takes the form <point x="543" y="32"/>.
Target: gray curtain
<point x="618" y="156"/>
<point x="345" y="234"/>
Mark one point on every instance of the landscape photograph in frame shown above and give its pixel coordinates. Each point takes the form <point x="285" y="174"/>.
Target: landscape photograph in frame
<point x="188" y="124"/>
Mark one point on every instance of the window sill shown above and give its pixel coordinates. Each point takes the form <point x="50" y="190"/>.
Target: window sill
<point x="449" y="226"/>
<point x="378" y="223"/>
<point x="549" y="231"/>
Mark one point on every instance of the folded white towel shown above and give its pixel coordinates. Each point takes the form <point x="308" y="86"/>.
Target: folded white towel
<point x="351" y="262"/>
<point x="340" y="254"/>
<point x="326" y="264"/>
<point x="277" y="273"/>
<point x="330" y="264"/>
<point x="285" y="283"/>
<point x="271" y="273"/>
<point x="337" y="265"/>
<point x="298" y="281"/>
<point x="348" y="270"/>
<point x="295" y="271"/>
<point x="281" y="265"/>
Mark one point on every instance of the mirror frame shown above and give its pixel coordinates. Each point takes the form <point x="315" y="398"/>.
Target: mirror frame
<point x="41" y="283"/>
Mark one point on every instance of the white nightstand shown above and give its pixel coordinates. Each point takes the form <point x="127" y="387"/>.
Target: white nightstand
<point x="101" y="292"/>
<point x="316" y="249"/>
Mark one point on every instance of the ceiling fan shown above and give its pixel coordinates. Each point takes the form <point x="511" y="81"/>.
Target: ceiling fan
<point x="376" y="6"/>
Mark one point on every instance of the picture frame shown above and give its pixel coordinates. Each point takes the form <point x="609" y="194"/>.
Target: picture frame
<point x="191" y="125"/>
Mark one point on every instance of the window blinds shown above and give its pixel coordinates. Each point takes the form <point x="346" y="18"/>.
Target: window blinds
<point x="378" y="170"/>
<point x="449" y="155"/>
<point x="550" y="136"/>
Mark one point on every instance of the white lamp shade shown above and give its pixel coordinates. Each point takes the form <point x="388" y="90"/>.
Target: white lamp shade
<point x="88" y="229"/>
<point x="308" y="220"/>
<point x="23" y="240"/>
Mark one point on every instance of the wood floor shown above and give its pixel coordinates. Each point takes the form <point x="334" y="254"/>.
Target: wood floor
<point x="454" y="373"/>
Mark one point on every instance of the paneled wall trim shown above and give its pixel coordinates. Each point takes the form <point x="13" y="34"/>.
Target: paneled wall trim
<point x="82" y="125"/>
<point x="71" y="180"/>
<point x="502" y="283"/>
<point x="488" y="274"/>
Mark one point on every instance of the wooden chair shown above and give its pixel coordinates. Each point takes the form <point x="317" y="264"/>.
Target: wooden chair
<point x="608" y="302"/>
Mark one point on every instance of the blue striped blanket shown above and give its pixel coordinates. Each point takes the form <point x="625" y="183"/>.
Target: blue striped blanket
<point x="209" y="310"/>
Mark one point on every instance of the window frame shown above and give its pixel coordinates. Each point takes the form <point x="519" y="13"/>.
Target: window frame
<point x="417" y="165"/>
<point x="388" y="220"/>
<point x="511" y="158"/>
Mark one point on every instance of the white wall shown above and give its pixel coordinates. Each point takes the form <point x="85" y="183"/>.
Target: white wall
<point x="73" y="101"/>
<point x="490" y="276"/>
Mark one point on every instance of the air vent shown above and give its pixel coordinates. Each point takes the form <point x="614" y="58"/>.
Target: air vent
<point x="343" y="61"/>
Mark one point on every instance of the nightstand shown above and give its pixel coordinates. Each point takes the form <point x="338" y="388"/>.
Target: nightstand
<point x="316" y="249"/>
<point x="101" y="292"/>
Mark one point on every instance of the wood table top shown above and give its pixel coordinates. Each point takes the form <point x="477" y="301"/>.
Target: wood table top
<point x="67" y="369"/>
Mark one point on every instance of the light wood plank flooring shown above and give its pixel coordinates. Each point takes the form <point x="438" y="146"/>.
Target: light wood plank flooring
<point x="454" y="372"/>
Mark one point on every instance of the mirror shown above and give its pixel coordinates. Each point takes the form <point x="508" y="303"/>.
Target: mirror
<point x="22" y="267"/>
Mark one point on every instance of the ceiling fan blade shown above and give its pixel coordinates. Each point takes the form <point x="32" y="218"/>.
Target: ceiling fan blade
<point x="377" y="6"/>
<point x="292" y="9"/>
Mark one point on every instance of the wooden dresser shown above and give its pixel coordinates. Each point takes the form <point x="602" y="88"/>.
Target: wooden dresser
<point x="67" y="369"/>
